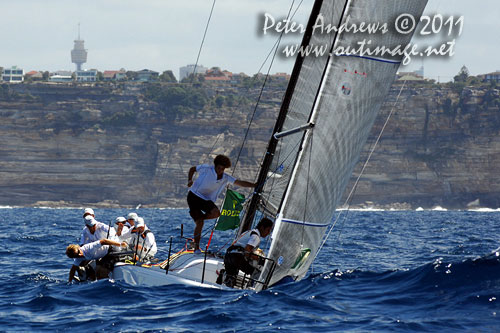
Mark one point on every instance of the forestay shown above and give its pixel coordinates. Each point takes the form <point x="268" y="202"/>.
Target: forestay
<point x="341" y="95"/>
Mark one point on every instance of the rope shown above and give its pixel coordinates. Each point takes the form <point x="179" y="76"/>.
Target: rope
<point x="353" y="190"/>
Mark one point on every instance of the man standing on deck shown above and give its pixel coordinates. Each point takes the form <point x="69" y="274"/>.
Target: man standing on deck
<point x="204" y="192"/>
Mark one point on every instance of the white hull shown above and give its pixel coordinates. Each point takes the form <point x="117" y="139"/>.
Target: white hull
<point x="186" y="269"/>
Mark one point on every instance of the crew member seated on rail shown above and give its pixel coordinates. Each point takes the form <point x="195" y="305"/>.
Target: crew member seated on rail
<point x="141" y="240"/>
<point x="121" y="226"/>
<point x="95" y="230"/>
<point x="241" y="252"/>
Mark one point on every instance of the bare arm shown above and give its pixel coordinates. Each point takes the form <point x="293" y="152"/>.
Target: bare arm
<point x="120" y="228"/>
<point x="249" y="252"/>
<point x="112" y="242"/>
<point x="244" y="183"/>
<point x="190" y="175"/>
<point x="72" y="273"/>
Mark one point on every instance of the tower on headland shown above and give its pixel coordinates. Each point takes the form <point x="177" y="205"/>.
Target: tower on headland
<point x="79" y="54"/>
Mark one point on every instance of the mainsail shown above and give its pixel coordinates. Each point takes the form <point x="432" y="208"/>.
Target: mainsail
<point x="305" y="174"/>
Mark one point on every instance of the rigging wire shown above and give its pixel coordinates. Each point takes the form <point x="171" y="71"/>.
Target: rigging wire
<point x="203" y="41"/>
<point x="273" y="50"/>
<point x="192" y="78"/>
<point x="354" y="187"/>
<point x="275" y="47"/>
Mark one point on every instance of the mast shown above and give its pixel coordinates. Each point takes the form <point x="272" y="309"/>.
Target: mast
<point x="273" y="142"/>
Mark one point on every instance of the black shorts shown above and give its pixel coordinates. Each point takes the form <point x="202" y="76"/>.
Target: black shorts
<point x="198" y="207"/>
<point x="236" y="261"/>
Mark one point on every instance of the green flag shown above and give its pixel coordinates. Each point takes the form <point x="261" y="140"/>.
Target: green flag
<point x="230" y="213"/>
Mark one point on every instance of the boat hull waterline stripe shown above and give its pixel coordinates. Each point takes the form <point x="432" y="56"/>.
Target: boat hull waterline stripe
<point x="309" y="224"/>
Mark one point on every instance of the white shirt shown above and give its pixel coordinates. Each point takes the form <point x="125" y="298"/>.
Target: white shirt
<point x="125" y="229"/>
<point x="101" y="231"/>
<point x="207" y="186"/>
<point x="251" y="237"/>
<point x="92" y="251"/>
<point x="148" y="242"/>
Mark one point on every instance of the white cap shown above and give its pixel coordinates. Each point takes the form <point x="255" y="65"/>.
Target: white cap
<point x="120" y="219"/>
<point x="132" y="216"/>
<point x="90" y="221"/>
<point x="88" y="211"/>
<point x="140" y="222"/>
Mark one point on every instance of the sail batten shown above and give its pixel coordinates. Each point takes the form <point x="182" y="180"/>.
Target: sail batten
<point x="341" y="95"/>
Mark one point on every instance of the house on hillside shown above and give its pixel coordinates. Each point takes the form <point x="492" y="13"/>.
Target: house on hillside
<point x="215" y="74"/>
<point x="13" y="75"/>
<point x="114" y="75"/>
<point x="147" y="75"/>
<point x="86" y="76"/>
<point x="190" y="69"/>
<point x="495" y="76"/>
<point x="34" y="75"/>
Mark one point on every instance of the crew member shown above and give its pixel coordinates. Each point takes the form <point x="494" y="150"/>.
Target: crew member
<point x="240" y="253"/>
<point x="121" y="226"/>
<point x="204" y="192"/>
<point x="131" y="219"/>
<point x="92" y="251"/>
<point x="95" y="230"/>
<point x="141" y="239"/>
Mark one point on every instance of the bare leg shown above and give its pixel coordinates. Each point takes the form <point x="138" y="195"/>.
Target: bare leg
<point x="213" y="214"/>
<point x="197" y="233"/>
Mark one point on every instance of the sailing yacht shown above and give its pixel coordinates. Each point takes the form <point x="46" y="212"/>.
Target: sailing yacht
<point x="329" y="107"/>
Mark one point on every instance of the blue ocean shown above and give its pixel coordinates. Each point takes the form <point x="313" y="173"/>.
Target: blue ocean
<point x="379" y="271"/>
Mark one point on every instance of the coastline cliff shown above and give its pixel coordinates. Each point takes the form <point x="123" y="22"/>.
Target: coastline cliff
<point x="126" y="144"/>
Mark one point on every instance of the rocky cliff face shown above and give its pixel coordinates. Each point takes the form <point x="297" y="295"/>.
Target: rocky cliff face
<point x="440" y="147"/>
<point x="72" y="145"/>
<point x="109" y="146"/>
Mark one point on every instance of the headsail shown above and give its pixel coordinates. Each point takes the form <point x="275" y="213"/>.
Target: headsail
<point x="341" y="95"/>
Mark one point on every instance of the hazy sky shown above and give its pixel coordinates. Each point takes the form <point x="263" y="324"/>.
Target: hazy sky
<point x="166" y="34"/>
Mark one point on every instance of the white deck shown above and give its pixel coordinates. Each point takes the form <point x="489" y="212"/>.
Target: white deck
<point x="187" y="269"/>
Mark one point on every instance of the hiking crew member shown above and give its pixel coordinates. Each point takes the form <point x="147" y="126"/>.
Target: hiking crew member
<point x="239" y="254"/>
<point x="91" y="251"/>
<point x="205" y="190"/>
